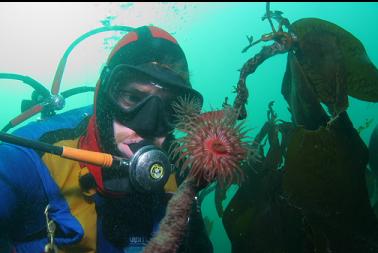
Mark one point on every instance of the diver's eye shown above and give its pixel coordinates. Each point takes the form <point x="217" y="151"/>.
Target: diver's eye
<point x="128" y="99"/>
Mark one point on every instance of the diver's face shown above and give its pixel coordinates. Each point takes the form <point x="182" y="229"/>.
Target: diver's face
<point x="129" y="95"/>
<point x="125" y="136"/>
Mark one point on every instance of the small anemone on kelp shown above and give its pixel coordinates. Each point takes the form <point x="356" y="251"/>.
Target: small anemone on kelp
<point x="213" y="146"/>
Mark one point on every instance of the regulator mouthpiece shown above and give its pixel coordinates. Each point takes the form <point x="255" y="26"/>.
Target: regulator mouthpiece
<point x="148" y="170"/>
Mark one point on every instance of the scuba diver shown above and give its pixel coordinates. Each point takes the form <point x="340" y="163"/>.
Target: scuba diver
<point x="50" y="204"/>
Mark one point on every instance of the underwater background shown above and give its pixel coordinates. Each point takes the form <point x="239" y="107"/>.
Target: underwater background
<point x="34" y="37"/>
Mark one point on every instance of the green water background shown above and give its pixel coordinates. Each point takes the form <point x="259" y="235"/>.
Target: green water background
<point x="34" y="37"/>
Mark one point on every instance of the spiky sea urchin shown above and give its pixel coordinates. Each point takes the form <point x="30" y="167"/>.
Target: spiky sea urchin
<point x="213" y="146"/>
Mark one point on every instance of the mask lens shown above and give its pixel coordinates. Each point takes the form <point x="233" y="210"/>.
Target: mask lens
<point x="129" y="90"/>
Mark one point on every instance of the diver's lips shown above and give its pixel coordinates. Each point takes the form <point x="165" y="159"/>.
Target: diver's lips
<point x="121" y="137"/>
<point x="125" y="139"/>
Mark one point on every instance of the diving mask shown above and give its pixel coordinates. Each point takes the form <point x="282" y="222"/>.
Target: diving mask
<point x="141" y="102"/>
